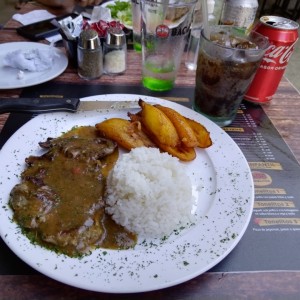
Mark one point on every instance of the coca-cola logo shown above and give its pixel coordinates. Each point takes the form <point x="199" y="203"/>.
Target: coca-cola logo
<point x="278" y="54"/>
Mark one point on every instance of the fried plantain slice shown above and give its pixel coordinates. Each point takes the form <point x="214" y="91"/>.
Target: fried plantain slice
<point x="158" y="126"/>
<point x="181" y="152"/>
<point x="135" y="117"/>
<point x="203" y="136"/>
<point x="185" y="132"/>
<point x="125" y="133"/>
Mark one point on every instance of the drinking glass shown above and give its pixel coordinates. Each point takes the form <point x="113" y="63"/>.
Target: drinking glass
<point x="165" y="29"/>
<point x="227" y="62"/>
<point x="136" y="25"/>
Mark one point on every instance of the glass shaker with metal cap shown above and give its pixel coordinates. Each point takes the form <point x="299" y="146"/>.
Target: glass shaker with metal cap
<point x="115" y="51"/>
<point x="89" y="55"/>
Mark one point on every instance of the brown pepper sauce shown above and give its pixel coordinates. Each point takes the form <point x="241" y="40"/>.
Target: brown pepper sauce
<point x="77" y="196"/>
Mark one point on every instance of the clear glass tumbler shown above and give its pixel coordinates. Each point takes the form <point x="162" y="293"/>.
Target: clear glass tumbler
<point x="227" y="62"/>
<point x="136" y="25"/>
<point x="165" y="30"/>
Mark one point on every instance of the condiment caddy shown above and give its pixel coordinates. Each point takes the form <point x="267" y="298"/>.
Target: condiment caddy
<point x="84" y="46"/>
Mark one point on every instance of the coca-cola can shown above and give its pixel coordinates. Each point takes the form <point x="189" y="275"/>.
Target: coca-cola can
<point x="283" y="35"/>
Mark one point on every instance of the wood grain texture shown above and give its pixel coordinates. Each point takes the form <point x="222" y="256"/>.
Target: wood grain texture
<point x="264" y="285"/>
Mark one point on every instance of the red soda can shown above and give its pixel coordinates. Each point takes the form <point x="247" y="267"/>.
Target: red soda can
<point x="283" y="35"/>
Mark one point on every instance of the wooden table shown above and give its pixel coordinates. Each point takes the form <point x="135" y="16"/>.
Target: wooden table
<point x="284" y="113"/>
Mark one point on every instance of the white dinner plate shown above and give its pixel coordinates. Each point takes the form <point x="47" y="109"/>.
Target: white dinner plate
<point x="222" y="185"/>
<point x="9" y="76"/>
<point x="112" y="2"/>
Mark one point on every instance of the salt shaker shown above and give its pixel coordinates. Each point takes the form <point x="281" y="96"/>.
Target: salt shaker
<point x="115" y="51"/>
<point x="89" y="55"/>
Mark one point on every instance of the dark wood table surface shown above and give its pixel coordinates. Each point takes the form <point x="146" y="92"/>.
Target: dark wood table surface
<point x="283" y="112"/>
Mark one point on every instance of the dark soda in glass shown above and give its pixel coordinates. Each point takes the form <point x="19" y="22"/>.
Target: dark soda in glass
<point x="227" y="63"/>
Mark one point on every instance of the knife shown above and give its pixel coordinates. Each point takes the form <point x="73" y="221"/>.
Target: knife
<point x="43" y="105"/>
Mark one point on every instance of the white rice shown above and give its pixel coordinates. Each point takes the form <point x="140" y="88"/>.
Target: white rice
<point x="149" y="193"/>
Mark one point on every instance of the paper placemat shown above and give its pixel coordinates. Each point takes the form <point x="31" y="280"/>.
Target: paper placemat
<point x="271" y="242"/>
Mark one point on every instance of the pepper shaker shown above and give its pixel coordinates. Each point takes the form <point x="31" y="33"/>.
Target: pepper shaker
<point x="89" y="55"/>
<point x="115" y="51"/>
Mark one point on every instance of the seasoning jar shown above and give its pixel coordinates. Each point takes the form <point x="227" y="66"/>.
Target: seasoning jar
<point x="115" y="51"/>
<point x="89" y="55"/>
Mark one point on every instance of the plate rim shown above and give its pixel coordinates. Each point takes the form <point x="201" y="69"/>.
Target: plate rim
<point x="33" y="45"/>
<point x="158" y="286"/>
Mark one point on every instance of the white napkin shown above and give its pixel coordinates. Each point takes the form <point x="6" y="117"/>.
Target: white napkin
<point x="100" y="13"/>
<point x="33" y="60"/>
<point x="36" y="16"/>
<point x="33" y="16"/>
